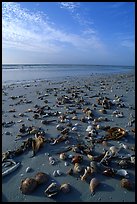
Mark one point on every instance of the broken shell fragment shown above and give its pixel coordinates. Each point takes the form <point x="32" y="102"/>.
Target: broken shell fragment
<point x="126" y="183"/>
<point x="41" y="177"/>
<point x="93" y="184"/>
<point x="109" y="172"/>
<point x="65" y="188"/>
<point x="28" y="185"/>
<point x="52" y="190"/>
<point x="77" y="159"/>
<point x="77" y="168"/>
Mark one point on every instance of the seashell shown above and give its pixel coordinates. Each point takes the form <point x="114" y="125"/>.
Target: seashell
<point x="74" y="129"/>
<point x="41" y="177"/>
<point x="77" y="159"/>
<point x="103" y="111"/>
<point x="59" y="127"/>
<point x="88" y="171"/>
<point x="63" y="156"/>
<point x="55" y="173"/>
<point x="66" y="163"/>
<point x="52" y="190"/>
<point x="113" y="150"/>
<point x="28" y="185"/>
<point x="75" y="118"/>
<point x="77" y="168"/>
<point x="65" y="131"/>
<point x="28" y="169"/>
<point x="126" y="183"/>
<point x="122" y="172"/>
<point x="123" y="163"/>
<point x="91" y="157"/>
<point x="108" y="172"/>
<point x="59" y="173"/>
<point x="89" y="128"/>
<point x="132" y="159"/>
<point x="70" y="156"/>
<point x="93" y="184"/>
<point x="93" y="165"/>
<point x="104" y="143"/>
<point x="70" y="171"/>
<point x="65" y="187"/>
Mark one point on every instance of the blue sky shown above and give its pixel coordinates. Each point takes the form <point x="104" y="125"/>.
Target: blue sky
<point x="68" y="32"/>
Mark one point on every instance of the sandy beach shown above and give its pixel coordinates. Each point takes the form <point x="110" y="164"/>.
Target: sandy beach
<point x="96" y="102"/>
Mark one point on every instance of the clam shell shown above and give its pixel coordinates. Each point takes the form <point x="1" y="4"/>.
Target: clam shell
<point x="126" y="183"/>
<point x="41" y="177"/>
<point x="122" y="172"/>
<point x="52" y="190"/>
<point x="93" y="184"/>
<point x="65" y="187"/>
<point x="28" y="185"/>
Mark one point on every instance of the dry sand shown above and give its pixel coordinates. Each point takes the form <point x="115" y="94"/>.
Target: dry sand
<point x="88" y="88"/>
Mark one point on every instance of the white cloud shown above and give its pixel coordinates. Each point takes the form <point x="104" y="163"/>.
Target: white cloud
<point x="71" y="6"/>
<point x="22" y="29"/>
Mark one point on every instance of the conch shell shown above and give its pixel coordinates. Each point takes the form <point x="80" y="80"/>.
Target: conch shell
<point x="52" y="190"/>
<point x="93" y="184"/>
<point x="28" y="185"/>
<point x="65" y="187"/>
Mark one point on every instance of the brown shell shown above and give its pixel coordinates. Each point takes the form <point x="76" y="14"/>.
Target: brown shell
<point x="41" y="177"/>
<point x="28" y="185"/>
<point x="93" y="184"/>
<point x="126" y="183"/>
<point x="65" y="187"/>
<point x="108" y="172"/>
<point x="77" y="159"/>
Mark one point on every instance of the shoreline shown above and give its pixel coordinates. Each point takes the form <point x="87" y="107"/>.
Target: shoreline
<point x="87" y="89"/>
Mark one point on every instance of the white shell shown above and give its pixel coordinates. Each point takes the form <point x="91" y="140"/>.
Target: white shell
<point x="66" y="163"/>
<point x="122" y="172"/>
<point x="74" y="128"/>
<point x="89" y="128"/>
<point x="28" y="169"/>
<point x="70" y="156"/>
<point x="55" y="173"/>
<point x="59" y="172"/>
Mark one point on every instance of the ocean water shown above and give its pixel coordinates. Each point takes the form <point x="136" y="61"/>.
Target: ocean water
<point x="29" y="72"/>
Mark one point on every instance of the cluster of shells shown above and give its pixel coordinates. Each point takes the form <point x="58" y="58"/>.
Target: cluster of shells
<point x="69" y="123"/>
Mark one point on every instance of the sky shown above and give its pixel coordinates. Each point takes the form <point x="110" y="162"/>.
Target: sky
<point x="101" y="33"/>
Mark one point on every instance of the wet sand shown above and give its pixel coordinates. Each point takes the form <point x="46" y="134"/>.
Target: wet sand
<point x="82" y="92"/>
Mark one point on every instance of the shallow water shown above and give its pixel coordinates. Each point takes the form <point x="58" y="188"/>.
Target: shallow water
<point x="17" y="73"/>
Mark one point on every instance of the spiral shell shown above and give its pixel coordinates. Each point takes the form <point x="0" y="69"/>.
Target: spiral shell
<point x="65" y="188"/>
<point x="41" y="177"/>
<point x="28" y="185"/>
<point x="125" y="183"/>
